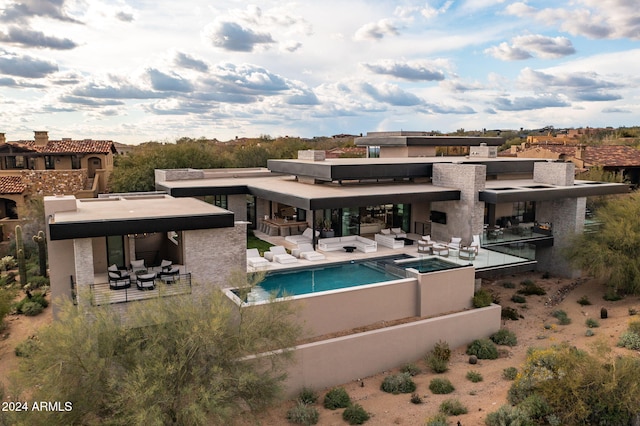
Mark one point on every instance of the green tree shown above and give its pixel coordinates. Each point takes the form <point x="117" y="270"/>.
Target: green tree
<point x="612" y="253"/>
<point x="6" y="300"/>
<point x="185" y="361"/>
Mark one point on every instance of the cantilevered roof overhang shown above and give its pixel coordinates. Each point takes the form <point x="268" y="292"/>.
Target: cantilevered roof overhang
<point x="509" y="191"/>
<point x="99" y="217"/>
<point x="423" y="139"/>
<point x="287" y="190"/>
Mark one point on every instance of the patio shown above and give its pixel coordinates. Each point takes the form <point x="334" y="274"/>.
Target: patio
<point x="486" y="259"/>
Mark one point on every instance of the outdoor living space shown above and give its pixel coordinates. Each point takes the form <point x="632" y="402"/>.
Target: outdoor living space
<point x="132" y="247"/>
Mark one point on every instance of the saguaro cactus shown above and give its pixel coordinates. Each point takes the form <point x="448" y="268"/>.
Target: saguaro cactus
<point x="41" y="240"/>
<point x="22" y="263"/>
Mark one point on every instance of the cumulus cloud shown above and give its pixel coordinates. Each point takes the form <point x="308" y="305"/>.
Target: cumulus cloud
<point x="124" y="16"/>
<point x="117" y="90"/>
<point x="412" y="70"/>
<point x="617" y="110"/>
<point x="608" y="19"/>
<point x="391" y="94"/>
<point x="376" y="30"/>
<point x="186" y="61"/>
<point x="234" y="37"/>
<point x="458" y="85"/>
<point x="25" y="66"/>
<point x="302" y="96"/>
<point x="291" y="46"/>
<point x="528" y="103"/>
<point x="168" y="83"/>
<point x="248" y="77"/>
<point x="22" y="11"/>
<point x="89" y="102"/>
<point x="29" y="38"/>
<point x="524" y="47"/>
<point x="583" y="86"/>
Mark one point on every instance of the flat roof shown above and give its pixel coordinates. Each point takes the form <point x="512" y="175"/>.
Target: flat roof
<point x="508" y="191"/>
<point x="404" y="138"/>
<point x="95" y="217"/>
<point x="287" y="190"/>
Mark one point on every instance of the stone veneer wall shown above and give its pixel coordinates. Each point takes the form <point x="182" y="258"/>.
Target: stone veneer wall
<point x="465" y="217"/>
<point x="83" y="252"/>
<point x="212" y="255"/>
<point x="177" y="174"/>
<point x="237" y="203"/>
<point x="50" y="182"/>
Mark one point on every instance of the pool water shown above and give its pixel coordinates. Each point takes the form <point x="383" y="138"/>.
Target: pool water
<point x="428" y="264"/>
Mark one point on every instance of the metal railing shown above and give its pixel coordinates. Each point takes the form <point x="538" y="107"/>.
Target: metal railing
<point x="102" y="294"/>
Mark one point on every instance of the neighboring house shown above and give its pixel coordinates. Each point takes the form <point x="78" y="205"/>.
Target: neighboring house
<point x="86" y="236"/>
<point x="619" y="159"/>
<point x="539" y="203"/>
<point x="46" y="167"/>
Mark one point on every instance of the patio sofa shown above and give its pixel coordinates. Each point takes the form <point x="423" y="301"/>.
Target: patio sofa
<point x="389" y="241"/>
<point x="306" y="237"/>
<point x="338" y="243"/>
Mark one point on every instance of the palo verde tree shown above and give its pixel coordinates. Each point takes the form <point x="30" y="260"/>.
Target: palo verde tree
<point x="613" y="252"/>
<point x="176" y="360"/>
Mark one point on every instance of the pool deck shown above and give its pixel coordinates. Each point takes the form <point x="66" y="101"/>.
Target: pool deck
<point x="485" y="258"/>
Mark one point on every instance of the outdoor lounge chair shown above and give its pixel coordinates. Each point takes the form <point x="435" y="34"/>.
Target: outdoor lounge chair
<point x="169" y="275"/>
<point x="475" y="244"/>
<point x="146" y="281"/>
<point x="425" y="244"/>
<point x="306" y="237"/>
<point x="280" y="255"/>
<point x="255" y="260"/>
<point x="138" y="265"/>
<point x="398" y="233"/>
<point x="117" y="281"/>
<point x="306" y="251"/>
<point x="455" y="243"/>
<point x="166" y="265"/>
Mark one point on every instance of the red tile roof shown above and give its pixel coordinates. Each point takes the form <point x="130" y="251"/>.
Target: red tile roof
<point x="87" y="146"/>
<point x="11" y="185"/>
<point x="603" y="155"/>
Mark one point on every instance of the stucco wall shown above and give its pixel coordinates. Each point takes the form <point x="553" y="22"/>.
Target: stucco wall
<point x="446" y="291"/>
<point x="332" y="362"/>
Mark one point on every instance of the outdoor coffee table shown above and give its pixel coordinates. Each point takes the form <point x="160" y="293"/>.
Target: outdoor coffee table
<point x="349" y="249"/>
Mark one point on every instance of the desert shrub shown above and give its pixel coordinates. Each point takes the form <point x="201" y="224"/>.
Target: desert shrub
<point x="337" y="398"/>
<point x="516" y="298"/>
<point x="441" y="386"/>
<point x="441" y="350"/>
<point x="584" y="301"/>
<point x="416" y="399"/>
<point x="634" y="327"/>
<point x="510" y="313"/>
<point x="483" y="349"/>
<point x="482" y="298"/>
<point x="508" y="284"/>
<point x="589" y="332"/>
<point x="592" y="323"/>
<point x="38" y="281"/>
<point x="411" y="369"/>
<point x="561" y="316"/>
<point x="303" y="414"/>
<point x="510" y="373"/>
<point x="629" y="340"/>
<point x="26" y="348"/>
<point x="6" y="302"/>
<point x="437" y="420"/>
<point x="536" y="407"/>
<point x="307" y="396"/>
<point x="452" y="407"/>
<point x="504" y="337"/>
<point x="633" y="311"/>
<point x="508" y="416"/>
<point x="546" y="275"/>
<point x="31" y="309"/>
<point x="611" y="295"/>
<point x="398" y="383"/>
<point x="436" y="364"/>
<point x="355" y="414"/>
<point x="474" y="376"/>
<point x="531" y="289"/>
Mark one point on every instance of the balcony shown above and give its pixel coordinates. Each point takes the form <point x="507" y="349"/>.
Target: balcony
<point x="102" y="294"/>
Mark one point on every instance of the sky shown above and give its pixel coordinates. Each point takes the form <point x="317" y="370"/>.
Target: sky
<point x="156" y="70"/>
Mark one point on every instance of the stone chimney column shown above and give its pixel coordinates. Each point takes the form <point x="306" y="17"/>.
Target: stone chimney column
<point x="41" y="138"/>
<point x="2" y="138"/>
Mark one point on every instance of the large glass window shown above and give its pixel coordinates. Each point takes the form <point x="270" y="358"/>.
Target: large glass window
<point x="217" y="200"/>
<point x="251" y="211"/>
<point x="15" y="162"/>
<point x="373" y="152"/>
<point x="49" y="162"/>
<point x="115" y="250"/>
<point x="75" y="162"/>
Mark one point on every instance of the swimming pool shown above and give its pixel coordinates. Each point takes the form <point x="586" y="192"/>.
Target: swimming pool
<point x="344" y="275"/>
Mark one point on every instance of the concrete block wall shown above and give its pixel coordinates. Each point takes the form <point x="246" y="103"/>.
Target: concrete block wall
<point x="553" y="173"/>
<point x="465" y="217"/>
<point x="177" y="174"/>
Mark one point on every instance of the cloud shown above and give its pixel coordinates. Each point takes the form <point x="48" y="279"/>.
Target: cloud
<point x="391" y="94"/>
<point x="234" y="37"/>
<point x="376" y="30"/>
<point x="29" y="38"/>
<point x="89" y="102"/>
<point x="168" y="83"/>
<point x="608" y="19"/>
<point x="523" y="47"/>
<point x="248" y="78"/>
<point x="121" y="90"/>
<point x="413" y="70"/>
<point x="528" y="103"/>
<point x="302" y="96"/>
<point x="25" y="66"/>
<point x="26" y="9"/>
<point x="124" y="16"/>
<point x="291" y="46"/>
<point x="186" y="61"/>
<point x="458" y="85"/>
<point x="582" y="86"/>
<point x="617" y="110"/>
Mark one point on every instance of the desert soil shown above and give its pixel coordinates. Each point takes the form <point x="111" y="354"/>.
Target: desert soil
<point x="479" y="398"/>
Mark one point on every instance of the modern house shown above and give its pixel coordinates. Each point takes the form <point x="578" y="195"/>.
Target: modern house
<point x="47" y="167"/>
<point x="202" y="243"/>
<point x="510" y="202"/>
